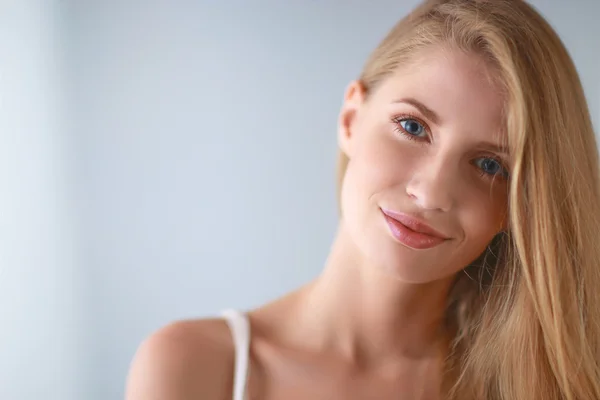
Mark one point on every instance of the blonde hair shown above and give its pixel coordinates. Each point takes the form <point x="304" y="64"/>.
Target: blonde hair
<point x="529" y="326"/>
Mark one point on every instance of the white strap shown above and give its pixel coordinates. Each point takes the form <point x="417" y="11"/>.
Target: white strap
<point x="240" y="331"/>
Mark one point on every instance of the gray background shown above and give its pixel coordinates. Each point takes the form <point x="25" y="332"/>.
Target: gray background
<point x="168" y="159"/>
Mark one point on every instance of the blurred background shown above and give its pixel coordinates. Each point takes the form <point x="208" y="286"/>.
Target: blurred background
<point x="168" y="159"/>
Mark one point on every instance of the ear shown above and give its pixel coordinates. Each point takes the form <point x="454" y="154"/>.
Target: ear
<point x="353" y="101"/>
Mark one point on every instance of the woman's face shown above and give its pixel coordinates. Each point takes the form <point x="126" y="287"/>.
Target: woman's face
<point x="426" y="186"/>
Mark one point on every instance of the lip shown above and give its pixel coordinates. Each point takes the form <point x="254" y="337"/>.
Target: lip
<point x="412" y="232"/>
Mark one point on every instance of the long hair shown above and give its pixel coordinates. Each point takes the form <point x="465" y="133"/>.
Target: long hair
<point x="527" y="323"/>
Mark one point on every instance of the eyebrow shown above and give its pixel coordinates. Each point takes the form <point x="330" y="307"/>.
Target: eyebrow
<point x="495" y="148"/>
<point x="426" y="111"/>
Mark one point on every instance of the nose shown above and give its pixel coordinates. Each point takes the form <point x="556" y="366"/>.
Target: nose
<point x="431" y="186"/>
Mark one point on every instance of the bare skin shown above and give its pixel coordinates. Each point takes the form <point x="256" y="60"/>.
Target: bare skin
<point x="370" y="326"/>
<point x="302" y="350"/>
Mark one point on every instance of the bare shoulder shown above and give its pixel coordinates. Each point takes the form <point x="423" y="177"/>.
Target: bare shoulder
<point x="183" y="361"/>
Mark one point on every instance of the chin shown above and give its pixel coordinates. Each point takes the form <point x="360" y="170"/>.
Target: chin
<point x="415" y="274"/>
<point x="409" y="265"/>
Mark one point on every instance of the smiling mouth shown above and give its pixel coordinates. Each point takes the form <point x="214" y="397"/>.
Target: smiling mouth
<point x="411" y="232"/>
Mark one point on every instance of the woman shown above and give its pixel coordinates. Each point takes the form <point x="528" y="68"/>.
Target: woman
<point x="466" y="263"/>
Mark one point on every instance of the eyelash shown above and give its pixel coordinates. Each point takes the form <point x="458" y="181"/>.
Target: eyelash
<point x="398" y="128"/>
<point x="397" y="120"/>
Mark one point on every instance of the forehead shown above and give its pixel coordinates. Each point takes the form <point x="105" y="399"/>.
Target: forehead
<point x="455" y="85"/>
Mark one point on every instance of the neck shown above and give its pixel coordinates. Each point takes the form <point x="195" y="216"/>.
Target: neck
<point x="367" y="313"/>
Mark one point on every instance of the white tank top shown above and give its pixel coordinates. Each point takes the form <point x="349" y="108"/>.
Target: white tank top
<point x="240" y="331"/>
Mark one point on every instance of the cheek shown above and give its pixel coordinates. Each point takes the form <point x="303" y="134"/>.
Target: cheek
<point x="378" y="168"/>
<point x="483" y="215"/>
<point x="382" y="163"/>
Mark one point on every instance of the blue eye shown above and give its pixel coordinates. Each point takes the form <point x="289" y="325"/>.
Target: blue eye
<point x="412" y="127"/>
<point x="491" y="167"/>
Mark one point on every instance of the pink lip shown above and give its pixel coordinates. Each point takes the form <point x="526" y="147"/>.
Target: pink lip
<point x="412" y="232"/>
